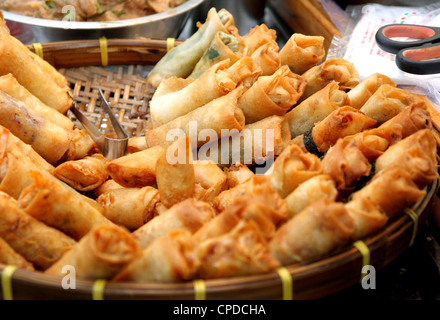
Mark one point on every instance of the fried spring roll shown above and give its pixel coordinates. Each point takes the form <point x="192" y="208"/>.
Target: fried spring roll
<point x="83" y="145"/>
<point x="8" y="256"/>
<point x="245" y="72"/>
<point x="171" y="103"/>
<point x="136" y="144"/>
<point x="337" y="69"/>
<point x="136" y="170"/>
<point x="302" y="52"/>
<point x="26" y="66"/>
<point x="101" y="254"/>
<point x="320" y="229"/>
<point x="366" y="88"/>
<point x="310" y="191"/>
<point x="256" y="37"/>
<point x="242" y="251"/>
<point x="49" y="201"/>
<point x="237" y="174"/>
<point x="14" y="175"/>
<point x="267" y="57"/>
<point x="34" y="240"/>
<point x="83" y="175"/>
<point x="315" y="108"/>
<point x="171" y="258"/>
<point x="210" y="177"/>
<point x="190" y="214"/>
<point x="129" y="207"/>
<point x="108" y="185"/>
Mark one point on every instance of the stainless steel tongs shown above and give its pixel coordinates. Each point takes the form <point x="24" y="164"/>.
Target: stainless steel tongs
<point x="111" y="148"/>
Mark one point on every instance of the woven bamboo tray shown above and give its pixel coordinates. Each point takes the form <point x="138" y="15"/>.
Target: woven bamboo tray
<point x="123" y="79"/>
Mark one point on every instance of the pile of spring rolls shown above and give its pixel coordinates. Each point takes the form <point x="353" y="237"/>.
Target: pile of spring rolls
<point x="348" y="156"/>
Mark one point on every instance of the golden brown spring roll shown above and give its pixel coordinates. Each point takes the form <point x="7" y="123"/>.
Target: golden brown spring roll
<point x="221" y="115"/>
<point x="315" y="108"/>
<point x="108" y="185"/>
<point x="256" y="37"/>
<point x="392" y="189"/>
<point x="171" y="103"/>
<point x="85" y="174"/>
<point x="245" y="72"/>
<point x="47" y="138"/>
<point x="8" y="256"/>
<point x="242" y="251"/>
<point x="210" y="177"/>
<point x="14" y="175"/>
<point x="292" y="167"/>
<point x="26" y="66"/>
<point x="35" y="241"/>
<point x="387" y="102"/>
<point x="366" y="88"/>
<point x="136" y="170"/>
<point x="302" y="52"/>
<point x="171" y="258"/>
<point x="237" y="174"/>
<point x="267" y="57"/>
<point x="310" y="191"/>
<point x="175" y="173"/>
<point x="83" y="145"/>
<point x="337" y="69"/>
<point x="130" y="207"/>
<point x="101" y="254"/>
<point x="136" y="144"/>
<point x="190" y="214"/>
<point x="271" y="95"/>
<point x="368" y="217"/>
<point x="49" y="201"/>
<point x="346" y="164"/>
<point x="318" y="230"/>
<point x="10" y="85"/>
<point x="413" y="118"/>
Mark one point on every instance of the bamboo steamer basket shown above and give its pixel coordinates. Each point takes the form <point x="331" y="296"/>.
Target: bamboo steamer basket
<point x="124" y="79"/>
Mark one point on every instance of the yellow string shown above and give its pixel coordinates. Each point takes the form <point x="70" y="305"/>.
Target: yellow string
<point x="286" y="280"/>
<point x="98" y="289"/>
<point x="7" y="273"/>
<point x="365" y="252"/>
<point x="104" y="51"/>
<point x="38" y="49"/>
<point x="170" y="43"/>
<point x="199" y="290"/>
<point x="415" y="219"/>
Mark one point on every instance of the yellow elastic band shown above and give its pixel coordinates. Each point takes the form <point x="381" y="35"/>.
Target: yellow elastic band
<point x="199" y="290"/>
<point x="415" y="219"/>
<point x="170" y="43"/>
<point x="38" y="49"/>
<point x="7" y="282"/>
<point x="98" y="289"/>
<point x="365" y="252"/>
<point x="104" y="51"/>
<point x="286" y="280"/>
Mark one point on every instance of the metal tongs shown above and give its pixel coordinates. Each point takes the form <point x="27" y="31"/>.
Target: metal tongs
<point x="111" y="148"/>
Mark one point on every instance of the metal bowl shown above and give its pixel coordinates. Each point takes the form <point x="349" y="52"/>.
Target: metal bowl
<point x="155" y="26"/>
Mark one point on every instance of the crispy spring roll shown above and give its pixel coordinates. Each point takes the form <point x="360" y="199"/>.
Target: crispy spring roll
<point x="245" y="72"/>
<point x="83" y="145"/>
<point x="210" y="177"/>
<point x="368" y="217"/>
<point x="14" y="175"/>
<point x="181" y="60"/>
<point x="34" y="240"/>
<point x="256" y="37"/>
<point x="175" y="173"/>
<point x="8" y="256"/>
<point x="136" y="144"/>
<point x="223" y="46"/>
<point x="171" y="103"/>
<point x="49" y="201"/>
<point x="310" y="191"/>
<point x="315" y="108"/>
<point x="171" y="258"/>
<point x="387" y="102"/>
<point x="101" y="254"/>
<point x="292" y="167"/>
<point x="242" y="251"/>
<point x="136" y="170"/>
<point x="10" y="85"/>
<point x="51" y="141"/>
<point x="129" y="207"/>
<point x="366" y="88"/>
<point x="237" y="174"/>
<point x="190" y="214"/>
<point x="216" y="118"/>
<point x="267" y="57"/>
<point x="26" y="66"/>
<point x="337" y="69"/>
<point x="85" y="174"/>
<point x="392" y="189"/>
<point x="302" y="52"/>
<point x="108" y="185"/>
<point x="346" y="164"/>
<point x="271" y="95"/>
